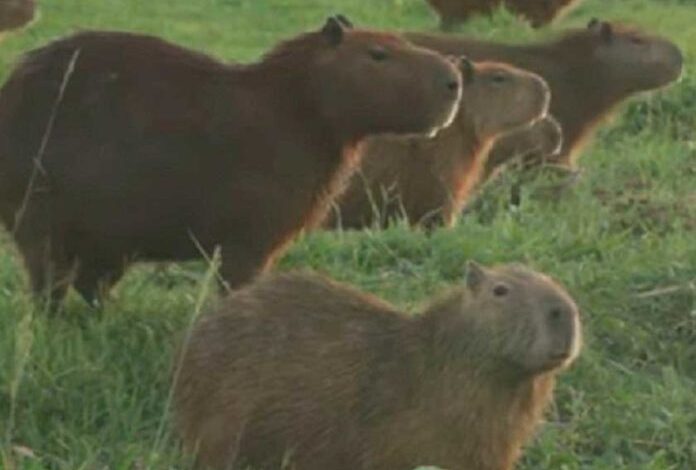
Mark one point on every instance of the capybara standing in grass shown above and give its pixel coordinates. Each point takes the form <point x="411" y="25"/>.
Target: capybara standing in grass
<point x="15" y="13"/>
<point x="298" y="369"/>
<point x="589" y="70"/>
<point x="429" y="180"/>
<point x="537" y="12"/>
<point x="118" y="146"/>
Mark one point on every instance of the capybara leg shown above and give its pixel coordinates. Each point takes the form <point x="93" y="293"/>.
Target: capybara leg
<point x="449" y="24"/>
<point x="240" y="265"/>
<point x="94" y="281"/>
<point x="49" y="273"/>
<point x="218" y="444"/>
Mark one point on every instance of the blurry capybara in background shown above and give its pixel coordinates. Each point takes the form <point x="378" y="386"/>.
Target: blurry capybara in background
<point x="298" y="369"/>
<point x="15" y="14"/>
<point x="589" y="70"/>
<point x="543" y="139"/>
<point x="428" y="180"/>
<point x="157" y="152"/>
<point x="537" y="12"/>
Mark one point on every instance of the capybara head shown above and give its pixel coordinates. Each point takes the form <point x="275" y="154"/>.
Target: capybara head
<point x="542" y="140"/>
<point x="498" y="97"/>
<point x="381" y="82"/>
<point x="526" y="322"/>
<point x="541" y="12"/>
<point x="639" y="60"/>
<point x="15" y="13"/>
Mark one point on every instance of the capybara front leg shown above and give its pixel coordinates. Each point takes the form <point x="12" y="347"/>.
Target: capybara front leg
<point x="94" y="281"/>
<point x="49" y="272"/>
<point x="240" y="264"/>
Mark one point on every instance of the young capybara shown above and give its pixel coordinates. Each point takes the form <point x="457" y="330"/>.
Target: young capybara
<point x="589" y="70"/>
<point x="118" y="146"/>
<point x="543" y="139"/>
<point x="298" y="369"/>
<point x="15" y="14"/>
<point x="537" y="12"/>
<point x="428" y="180"/>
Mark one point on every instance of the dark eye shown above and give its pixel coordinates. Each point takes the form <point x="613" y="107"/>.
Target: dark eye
<point x="498" y="78"/>
<point x="500" y="290"/>
<point x="378" y="53"/>
<point x="637" y="41"/>
<point x="555" y="314"/>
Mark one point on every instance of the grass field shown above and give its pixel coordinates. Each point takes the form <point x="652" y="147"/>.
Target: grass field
<point x="89" y="390"/>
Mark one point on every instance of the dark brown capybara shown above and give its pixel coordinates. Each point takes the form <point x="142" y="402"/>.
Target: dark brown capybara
<point x="156" y="152"/>
<point x="427" y="181"/>
<point x="589" y="70"/>
<point x="543" y="139"/>
<point x="15" y="13"/>
<point x="300" y="369"/>
<point x="537" y="12"/>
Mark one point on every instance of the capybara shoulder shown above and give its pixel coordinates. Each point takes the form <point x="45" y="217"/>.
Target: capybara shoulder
<point x="298" y="367"/>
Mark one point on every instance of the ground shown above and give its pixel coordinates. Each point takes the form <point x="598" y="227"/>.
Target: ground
<point x="90" y="390"/>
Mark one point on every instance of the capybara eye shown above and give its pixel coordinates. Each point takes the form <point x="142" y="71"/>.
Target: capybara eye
<point x="500" y="290"/>
<point x="636" y="40"/>
<point x="555" y="314"/>
<point x="378" y="53"/>
<point x="498" y="78"/>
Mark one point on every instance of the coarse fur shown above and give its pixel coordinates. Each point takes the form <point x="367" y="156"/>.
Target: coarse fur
<point x="299" y="369"/>
<point x="537" y="12"/>
<point x="15" y="13"/>
<point x="429" y="180"/>
<point x="157" y="152"/>
<point x="589" y="70"/>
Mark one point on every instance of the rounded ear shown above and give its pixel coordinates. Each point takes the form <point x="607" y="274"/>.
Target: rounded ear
<point x="467" y="68"/>
<point x="333" y="31"/>
<point x="606" y="32"/>
<point x="475" y="275"/>
<point x="344" y="21"/>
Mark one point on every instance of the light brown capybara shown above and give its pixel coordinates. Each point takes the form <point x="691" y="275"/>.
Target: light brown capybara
<point x="157" y="152"/>
<point x="15" y="13"/>
<point x="300" y="369"/>
<point x="589" y="70"/>
<point x="427" y="181"/>
<point x="537" y="12"/>
<point x="543" y="139"/>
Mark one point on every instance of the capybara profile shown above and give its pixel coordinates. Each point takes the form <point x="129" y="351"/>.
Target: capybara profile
<point x="543" y="139"/>
<point x="299" y="369"/>
<point x="15" y="14"/>
<point x="157" y="152"/>
<point x="537" y="12"/>
<point x="589" y="70"/>
<point x="428" y="180"/>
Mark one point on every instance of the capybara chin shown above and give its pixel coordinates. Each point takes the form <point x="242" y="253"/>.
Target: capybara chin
<point x="429" y="180"/>
<point x="158" y="152"/>
<point x="589" y="70"/>
<point x="537" y="12"/>
<point x="15" y="14"/>
<point x="525" y="146"/>
<point x="300" y="369"/>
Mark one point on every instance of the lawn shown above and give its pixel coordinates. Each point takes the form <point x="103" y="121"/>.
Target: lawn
<point x="89" y="390"/>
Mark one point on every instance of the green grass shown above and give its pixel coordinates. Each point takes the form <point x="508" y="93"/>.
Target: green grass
<point x="89" y="390"/>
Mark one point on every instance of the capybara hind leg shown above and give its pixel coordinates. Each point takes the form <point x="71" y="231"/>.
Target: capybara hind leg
<point x="49" y="273"/>
<point x="93" y="282"/>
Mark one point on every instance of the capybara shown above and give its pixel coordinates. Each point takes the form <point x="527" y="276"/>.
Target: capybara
<point x="589" y="70"/>
<point x="15" y="14"/>
<point x="537" y="12"/>
<point x="428" y="180"/>
<point x="543" y="139"/>
<point x="301" y="369"/>
<point x="118" y="146"/>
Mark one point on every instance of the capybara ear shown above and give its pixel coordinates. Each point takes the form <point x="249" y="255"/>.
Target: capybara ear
<point x="593" y="23"/>
<point x="475" y="275"/>
<point x="344" y="21"/>
<point x="333" y="30"/>
<point x="467" y="68"/>
<point x="606" y="32"/>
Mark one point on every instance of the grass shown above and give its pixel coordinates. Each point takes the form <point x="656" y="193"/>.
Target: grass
<point x="89" y="390"/>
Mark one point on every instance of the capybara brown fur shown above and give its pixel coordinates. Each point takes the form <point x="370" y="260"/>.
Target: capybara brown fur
<point x="15" y="13"/>
<point x="427" y="181"/>
<point x="537" y="12"/>
<point x="156" y="152"/>
<point x="589" y="70"/>
<point x="301" y="369"/>
<point x="524" y="146"/>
